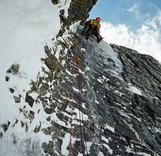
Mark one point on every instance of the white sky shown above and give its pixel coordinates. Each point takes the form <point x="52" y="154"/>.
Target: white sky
<point x="146" y="39"/>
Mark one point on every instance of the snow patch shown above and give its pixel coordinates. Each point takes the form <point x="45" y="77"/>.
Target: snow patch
<point x="65" y="144"/>
<point x="134" y="90"/>
<point x="109" y="128"/>
<point x="143" y="154"/>
<point x="64" y="4"/>
<point x="108" y="147"/>
<point x="105" y="139"/>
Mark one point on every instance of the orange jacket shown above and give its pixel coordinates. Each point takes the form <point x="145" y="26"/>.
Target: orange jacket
<point x="95" y="22"/>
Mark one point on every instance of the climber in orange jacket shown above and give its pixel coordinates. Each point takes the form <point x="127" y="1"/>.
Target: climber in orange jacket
<point x="92" y="27"/>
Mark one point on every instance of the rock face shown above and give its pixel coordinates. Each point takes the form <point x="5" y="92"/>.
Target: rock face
<point x="117" y="93"/>
<point x="78" y="11"/>
<point x="113" y="96"/>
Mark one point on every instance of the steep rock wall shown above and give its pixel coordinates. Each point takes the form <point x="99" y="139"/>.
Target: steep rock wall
<point x="78" y="12"/>
<point x="119" y="117"/>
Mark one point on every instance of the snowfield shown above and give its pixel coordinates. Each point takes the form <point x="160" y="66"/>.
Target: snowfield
<point x="25" y="28"/>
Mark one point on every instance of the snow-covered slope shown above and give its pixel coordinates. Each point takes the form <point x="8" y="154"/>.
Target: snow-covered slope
<point x="25" y="28"/>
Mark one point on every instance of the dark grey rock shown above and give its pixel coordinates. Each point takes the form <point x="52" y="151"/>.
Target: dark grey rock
<point x="12" y="90"/>
<point x="37" y="128"/>
<point x="7" y="78"/>
<point x="48" y="110"/>
<point x="60" y="116"/>
<point x="31" y="115"/>
<point x="55" y="1"/>
<point x="29" y="100"/>
<point x="79" y="10"/>
<point x="48" y="148"/>
<point x="5" y="126"/>
<point x="49" y="118"/>
<point x="17" y="99"/>
<point x="22" y="124"/>
<point x="58" y="145"/>
<point x="26" y="127"/>
<point x="1" y="134"/>
<point x="14" y="69"/>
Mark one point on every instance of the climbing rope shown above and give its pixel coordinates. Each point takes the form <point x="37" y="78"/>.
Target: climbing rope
<point x="81" y="118"/>
<point x="80" y="114"/>
<point x="82" y="128"/>
<point x="70" y="145"/>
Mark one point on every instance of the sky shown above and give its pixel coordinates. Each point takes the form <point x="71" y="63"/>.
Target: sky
<point x="135" y="24"/>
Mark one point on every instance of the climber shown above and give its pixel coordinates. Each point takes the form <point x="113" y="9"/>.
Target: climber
<point x="92" y="27"/>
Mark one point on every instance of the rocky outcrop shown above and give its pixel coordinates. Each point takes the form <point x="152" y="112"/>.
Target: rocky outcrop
<point x="78" y="12"/>
<point x="13" y="70"/>
<point x="143" y="72"/>
<point x="116" y="91"/>
<point x="121" y="112"/>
